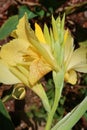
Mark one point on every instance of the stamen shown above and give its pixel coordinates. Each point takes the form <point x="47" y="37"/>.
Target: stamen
<point x="20" y="75"/>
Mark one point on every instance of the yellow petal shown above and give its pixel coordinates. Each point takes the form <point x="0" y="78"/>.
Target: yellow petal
<point x="71" y="77"/>
<point x="39" y="34"/>
<point x="32" y="53"/>
<point x="66" y="35"/>
<point x="12" y="52"/>
<point x="68" y="48"/>
<point x="47" y="35"/>
<point x="6" y="76"/>
<point x="81" y="68"/>
<point x="37" y="70"/>
<point x="20" y="32"/>
<point x="79" y="57"/>
<point x="13" y="34"/>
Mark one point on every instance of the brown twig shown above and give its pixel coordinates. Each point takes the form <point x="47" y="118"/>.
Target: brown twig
<point x="28" y="3"/>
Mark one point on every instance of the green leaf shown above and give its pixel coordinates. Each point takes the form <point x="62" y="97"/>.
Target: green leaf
<point x="72" y="117"/>
<point x="5" y="121"/>
<point x="24" y="9"/>
<point x="8" y="26"/>
<point x="40" y="12"/>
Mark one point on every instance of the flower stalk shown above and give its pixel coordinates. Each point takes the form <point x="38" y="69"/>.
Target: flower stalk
<point x="58" y="81"/>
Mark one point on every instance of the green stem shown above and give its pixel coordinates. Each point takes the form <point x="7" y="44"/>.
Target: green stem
<point x="58" y="78"/>
<point x="52" y="112"/>
<point x="6" y="98"/>
<point x="55" y="105"/>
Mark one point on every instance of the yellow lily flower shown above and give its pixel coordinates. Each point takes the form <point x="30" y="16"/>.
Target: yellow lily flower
<point x="22" y="63"/>
<point x="21" y="58"/>
<point x="31" y="55"/>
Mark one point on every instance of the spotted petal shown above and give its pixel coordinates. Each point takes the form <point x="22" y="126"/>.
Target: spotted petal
<point x="37" y="70"/>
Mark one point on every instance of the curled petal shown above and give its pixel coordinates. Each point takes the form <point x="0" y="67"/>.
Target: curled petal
<point x="71" y="77"/>
<point x="6" y="76"/>
<point x="19" y="92"/>
<point x="81" y="68"/>
<point x="78" y="58"/>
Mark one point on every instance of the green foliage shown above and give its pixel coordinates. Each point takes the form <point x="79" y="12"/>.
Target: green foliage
<point x="5" y="121"/>
<point x="71" y="118"/>
<point x="39" y="11"/>
<point x="83" y="91"/>
<point x="84" y="81"/>
<point x="8" y="27"/>
<point x="23" y="9"/>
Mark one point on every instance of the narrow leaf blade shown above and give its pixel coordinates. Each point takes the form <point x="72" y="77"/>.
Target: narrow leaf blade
<point x="5" y="121"/>
<point x="8" y="26"/>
